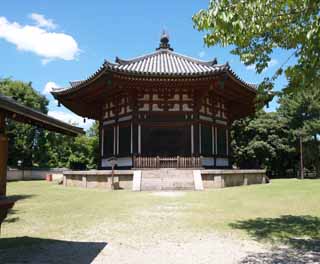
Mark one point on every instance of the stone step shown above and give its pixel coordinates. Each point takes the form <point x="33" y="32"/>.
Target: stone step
<point x="167" y="179"/>
<point x="177" y="188"/>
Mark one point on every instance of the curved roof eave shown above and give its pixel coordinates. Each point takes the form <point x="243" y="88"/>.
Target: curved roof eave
<point x="236" y="78"/>
<point x="76" y="85"/>
<point x="231" y="74"/>
<point x="22" y="112"/>
<point x="107" y="66"/>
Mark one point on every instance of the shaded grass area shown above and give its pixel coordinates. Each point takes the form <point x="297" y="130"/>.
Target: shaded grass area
<point x="37" y="250"/>
<point x="299" y="233"/>
<point x="302" y="232"/>
<point x="279" y="212"/>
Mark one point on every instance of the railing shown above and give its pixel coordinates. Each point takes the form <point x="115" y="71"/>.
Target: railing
<point x="166" y="162"/>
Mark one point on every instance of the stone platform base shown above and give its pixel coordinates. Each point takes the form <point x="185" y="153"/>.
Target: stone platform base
<point x="164" y="179"/>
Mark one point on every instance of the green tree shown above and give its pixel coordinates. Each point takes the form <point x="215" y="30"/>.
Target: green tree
<point x="301" y="112"/>
<point x="39" y="148"/>
<point x="262" y="141"/>
<point x="81" y="152"/>
<point x="24" y="140"/>
<point x="59" y="148"/>
<point x="93" y="134"/>
<point x="85" y="150"/>
<point x="256" y="27"/>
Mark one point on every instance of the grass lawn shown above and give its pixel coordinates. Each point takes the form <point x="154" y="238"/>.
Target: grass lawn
<point x="279" y="212"/>
<point x="48" y="210"/>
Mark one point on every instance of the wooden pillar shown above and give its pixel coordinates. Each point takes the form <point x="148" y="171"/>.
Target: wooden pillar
<point x="135" y="122"/>
<point x="3" y="156"/>
<point x="198" y="96"/>
<point x="215" y="145"/>
<point x="227" y="141"/>
<point x="101" y="144"/>
<point x="196" y="128"/>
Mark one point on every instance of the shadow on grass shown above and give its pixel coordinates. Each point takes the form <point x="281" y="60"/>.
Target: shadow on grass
<point x="296" y="238"/>
<point x="18" y="197"/>
<point x="11" y="217"/>
<point x="12" y="213"/>
<point x="38" y="250"/>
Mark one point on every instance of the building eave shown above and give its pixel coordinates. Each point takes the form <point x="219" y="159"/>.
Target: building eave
<point x="19" y="112"/>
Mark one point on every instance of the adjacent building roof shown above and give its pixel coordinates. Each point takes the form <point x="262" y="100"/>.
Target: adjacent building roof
<point x="19" y="112"/>
<point x="164" y="62"/>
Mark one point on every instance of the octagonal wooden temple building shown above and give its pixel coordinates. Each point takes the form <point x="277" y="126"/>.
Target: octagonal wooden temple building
<point x="162" y="109"/>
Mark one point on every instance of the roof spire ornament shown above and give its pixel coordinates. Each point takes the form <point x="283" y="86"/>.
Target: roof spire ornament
<point x="164" y="41"/>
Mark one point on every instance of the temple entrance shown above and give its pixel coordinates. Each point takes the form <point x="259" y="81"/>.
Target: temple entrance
<point x="165" y="141"/>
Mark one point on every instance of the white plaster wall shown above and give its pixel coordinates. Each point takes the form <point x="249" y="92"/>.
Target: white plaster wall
<point x="222" y="162"/>
<point x="207" y="161"/>
<point x="121" y="162"/>
<point x="17" y="175"/>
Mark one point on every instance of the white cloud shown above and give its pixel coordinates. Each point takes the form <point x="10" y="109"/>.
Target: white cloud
<point x="71" y="119"/>
<point x="48" y="45"/>
<point x="48" y="87"/>
<point x="202" y="54"/>
<point x="42" y="22"/>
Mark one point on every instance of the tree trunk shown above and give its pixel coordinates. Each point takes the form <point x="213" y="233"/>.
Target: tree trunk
<point x="301" y="159"/>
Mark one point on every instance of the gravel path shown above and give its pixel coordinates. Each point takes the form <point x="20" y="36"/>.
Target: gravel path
<point x="189" y="249"/>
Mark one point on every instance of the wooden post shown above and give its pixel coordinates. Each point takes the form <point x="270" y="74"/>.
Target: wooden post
<point x="112" y="178"/>
<point x="135" y="122"/>
<point x="3" y="156"/>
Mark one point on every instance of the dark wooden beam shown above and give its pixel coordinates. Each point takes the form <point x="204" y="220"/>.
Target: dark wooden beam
<point x="3" y="155"/>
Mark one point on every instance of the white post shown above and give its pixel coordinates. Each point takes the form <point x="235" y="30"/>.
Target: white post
<point x="139" y="139"/>
<point x="216" y="140"/>
<point x="200" y="139"/>
<point x="213" y="141"/>
<point x="114" y="140"/>
<point x="192" y="142"/>
<point x="131" y="139"/>
<point x="117" y="139"/>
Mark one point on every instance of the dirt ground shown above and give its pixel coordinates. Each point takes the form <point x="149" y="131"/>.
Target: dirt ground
<point x="183" y="248"/>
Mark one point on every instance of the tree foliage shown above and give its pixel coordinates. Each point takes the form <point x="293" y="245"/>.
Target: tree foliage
<point x="301" y="112"/>
<point x="271" y="140"/>
<point x="262" y="141"/>
<point x="257" y="27"/>
<point x="36" y="147"/>
<point x="25" y="140"/>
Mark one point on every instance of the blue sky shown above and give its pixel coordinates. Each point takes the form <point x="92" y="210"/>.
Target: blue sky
<point x="58" y="41"/>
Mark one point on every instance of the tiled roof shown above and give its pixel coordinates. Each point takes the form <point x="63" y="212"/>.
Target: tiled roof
<point x="75" y="83"/>
<point x="166" y="62"/>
